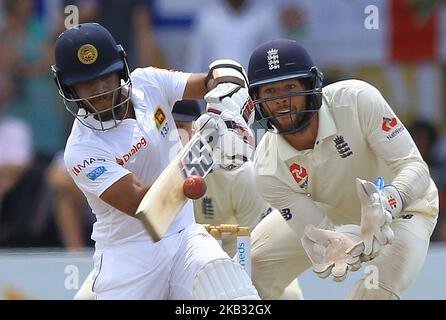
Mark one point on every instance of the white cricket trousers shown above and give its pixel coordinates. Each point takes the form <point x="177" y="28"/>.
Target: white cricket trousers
<point x="278" y="256"/>
<point x="154" y="271"/>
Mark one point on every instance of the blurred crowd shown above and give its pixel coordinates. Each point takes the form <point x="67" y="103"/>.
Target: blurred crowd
<point x="39" y="203"/>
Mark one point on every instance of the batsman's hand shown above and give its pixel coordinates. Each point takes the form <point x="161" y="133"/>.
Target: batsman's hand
<point x="375" y="219"/>
<point x="333" y="252"/>
<point x="231" y="97"/>
<point x="232" y="139"/>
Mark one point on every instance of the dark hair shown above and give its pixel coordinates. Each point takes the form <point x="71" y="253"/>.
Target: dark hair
<point x="426" y="126"/>
<point x="9" y="5"/>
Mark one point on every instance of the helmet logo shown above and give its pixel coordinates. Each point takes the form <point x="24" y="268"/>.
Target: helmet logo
<point x="273" y="59"/>
<point x="87" y="54"/>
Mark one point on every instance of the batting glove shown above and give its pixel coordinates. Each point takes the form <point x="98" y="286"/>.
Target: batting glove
<point x="232" y="97"/>
<point x="232" y="140"/>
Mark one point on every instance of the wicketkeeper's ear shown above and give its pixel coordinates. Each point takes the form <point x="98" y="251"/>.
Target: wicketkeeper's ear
<point x="226" y="70"/>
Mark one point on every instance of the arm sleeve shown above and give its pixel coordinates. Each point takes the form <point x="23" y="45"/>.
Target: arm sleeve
<point x="170" y="83"/>
<point x="248" y="205"/>
<point x="93" y="170"/>
<point x="297" y="209"/>
<point x="391" y="141"/>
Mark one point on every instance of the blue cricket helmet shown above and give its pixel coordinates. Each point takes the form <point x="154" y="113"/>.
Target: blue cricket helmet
<point x="280" y="60"/>
<point x="84" y="53"/>
<point x="87" y="52"/>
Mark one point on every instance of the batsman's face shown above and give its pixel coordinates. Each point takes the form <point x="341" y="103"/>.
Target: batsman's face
<point x="284" y="110"/>
<point x="95" y="91"/>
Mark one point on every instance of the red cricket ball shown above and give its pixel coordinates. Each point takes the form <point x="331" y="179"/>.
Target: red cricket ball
<point x="194" y="187"/>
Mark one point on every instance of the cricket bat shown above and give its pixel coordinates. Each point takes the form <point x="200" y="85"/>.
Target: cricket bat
<point x="165" y="198"/>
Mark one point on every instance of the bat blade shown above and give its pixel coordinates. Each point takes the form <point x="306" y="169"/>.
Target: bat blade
<point x="165" y="198"/>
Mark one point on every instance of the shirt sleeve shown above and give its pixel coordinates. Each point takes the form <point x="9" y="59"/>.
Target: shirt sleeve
<point x="93" y="170"/>
<point x="391" y="141"/>
<point x="170" y="83"/>
<point x="248" y="205"/>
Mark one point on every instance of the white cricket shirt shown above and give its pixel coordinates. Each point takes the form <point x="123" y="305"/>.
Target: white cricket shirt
<point x="231" y="198"/>
<point x="359" y="136"/>
<point x="144" y="147"/>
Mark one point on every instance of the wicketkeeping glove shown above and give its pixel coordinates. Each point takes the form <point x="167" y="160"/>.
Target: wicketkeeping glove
<point x="375" y="219"/>
<point x="333" y="252"/>
<point x="390" y="197"/>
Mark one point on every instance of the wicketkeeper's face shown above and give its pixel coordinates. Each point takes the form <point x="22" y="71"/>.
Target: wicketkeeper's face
<point x="285" y="109"/>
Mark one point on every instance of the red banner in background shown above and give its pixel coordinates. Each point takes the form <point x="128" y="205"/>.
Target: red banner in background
<point x="413" y="38"/>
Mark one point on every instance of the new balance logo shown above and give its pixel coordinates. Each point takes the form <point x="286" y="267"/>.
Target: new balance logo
<point x="286" y="214"/>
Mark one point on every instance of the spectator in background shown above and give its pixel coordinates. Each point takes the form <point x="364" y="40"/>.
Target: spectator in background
<point x="292" y="20"/>
<point x="425" y="136"/>
<point x="15" y="145"/>
<point x="223" y="23"/>
<point x="130" y="22"/>
<point x="72" y="214"/>
<point x="35" y="99"/>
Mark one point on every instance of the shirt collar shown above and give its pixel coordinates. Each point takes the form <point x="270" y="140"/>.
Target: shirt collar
<point x="327" y="128"/>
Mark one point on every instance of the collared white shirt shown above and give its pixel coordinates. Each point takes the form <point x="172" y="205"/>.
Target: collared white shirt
<point x="231" y="198"/>
<point x="142" y="146"/>
<point x="359" y="136"/>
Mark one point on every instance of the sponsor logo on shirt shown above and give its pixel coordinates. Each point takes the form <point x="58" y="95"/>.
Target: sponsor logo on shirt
<point x="96" y="173"/>
<point x="88" y="162"/>
<point x="159" y="118"/>
<point x="161" y="123"/>
<point x="300" y="174"/>
<point x="389" y="124"/>
<point x="342" y="147"/>
<point x="135" y="149"/>
<point x="395" y="133"/>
